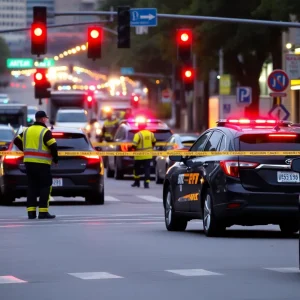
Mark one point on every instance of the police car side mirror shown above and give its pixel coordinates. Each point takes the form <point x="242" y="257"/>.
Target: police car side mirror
<point x="295" y="165"/>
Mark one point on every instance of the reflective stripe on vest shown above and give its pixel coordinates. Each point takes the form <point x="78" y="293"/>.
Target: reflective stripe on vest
<point x="36" y="153"/>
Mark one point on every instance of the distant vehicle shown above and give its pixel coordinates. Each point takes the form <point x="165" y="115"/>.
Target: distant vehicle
<point x="13" y="114"/>
<point x="74" y="176"/>
<point x="31" y="110"/>
<point x="7" y="134"/>
<point x="72" y="117"/>
<point x="178" y="141"/>
<point x="120" y="165"/>
<point x="4" y="98"/>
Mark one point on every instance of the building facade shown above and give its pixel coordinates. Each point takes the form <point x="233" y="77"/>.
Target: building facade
<point x="12" y="16"/>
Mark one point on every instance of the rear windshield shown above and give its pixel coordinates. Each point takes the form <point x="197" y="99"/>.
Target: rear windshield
<point x="71" y="117"/>
<point x="13" y="120"/>
<point x="6" y="135"/>
<point x="264" y="142"/>
<point x="72" y="141"/>
<point x="160" y="135"/>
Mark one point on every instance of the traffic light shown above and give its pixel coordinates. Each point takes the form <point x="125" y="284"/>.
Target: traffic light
<point x="90" y="99"/>
<point x="39" y="31"/>
<point x="135" y="101"/>
<point x="188" y="77"/>
<point x="42" y="85"/>
<point x="123" y="27"/>
<point x="95" y="36"/>
<point x="184" y="45"/>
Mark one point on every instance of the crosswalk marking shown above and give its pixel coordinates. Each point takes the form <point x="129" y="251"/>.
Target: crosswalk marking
<point x="10" y="279"/>
<point x="284" y="270"/>
<point x="111" y="199"/>
<point x="150" y="198"/>
<point x="193" y="272"/>
<point x="95" y="275"/>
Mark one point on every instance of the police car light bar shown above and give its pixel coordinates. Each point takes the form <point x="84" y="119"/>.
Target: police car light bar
<point x="244" y="121"/>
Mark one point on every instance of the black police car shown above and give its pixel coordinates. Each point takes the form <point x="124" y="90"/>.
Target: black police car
<point x="235" y="190"/>
<point x="74" y="176"/>
<point x="118" y="166"/>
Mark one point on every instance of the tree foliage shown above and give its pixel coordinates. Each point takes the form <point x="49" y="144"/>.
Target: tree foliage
<point x="4" y="54"/>
<point x="246" y="47"/>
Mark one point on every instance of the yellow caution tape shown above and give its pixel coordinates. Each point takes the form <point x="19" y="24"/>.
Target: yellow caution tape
<point x="3" y="143"/>
<point x="107" y="144"/>
<point x="166" y="153"/>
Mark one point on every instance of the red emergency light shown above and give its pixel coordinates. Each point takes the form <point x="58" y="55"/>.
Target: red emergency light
<point x="249" y="121"/>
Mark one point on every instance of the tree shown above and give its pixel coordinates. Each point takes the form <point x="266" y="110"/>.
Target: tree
<point x="246" y="47"/>
<point x="4" y="54"/>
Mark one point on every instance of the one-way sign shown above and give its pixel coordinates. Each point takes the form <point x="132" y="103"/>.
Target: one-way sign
<point x="143" y="17"/>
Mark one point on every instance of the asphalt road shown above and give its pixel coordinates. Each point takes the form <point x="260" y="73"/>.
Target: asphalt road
<point x="122" y="251"/>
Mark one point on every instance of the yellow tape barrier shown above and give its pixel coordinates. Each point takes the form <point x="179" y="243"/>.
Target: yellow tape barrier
<point x="107" y="144"/>
<point x="165" y="153"/>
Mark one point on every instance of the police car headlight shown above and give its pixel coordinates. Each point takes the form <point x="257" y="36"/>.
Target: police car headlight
<point x="98" y="131"/>
<point x="88" y="127"/>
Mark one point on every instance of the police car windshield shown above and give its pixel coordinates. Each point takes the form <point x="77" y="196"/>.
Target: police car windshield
<point x="6" y="135"/>
<point x="72" y="141"/>
<point x="160" y="135"/>
<point x="71" y="117"/>
<point x="270" y="142"/>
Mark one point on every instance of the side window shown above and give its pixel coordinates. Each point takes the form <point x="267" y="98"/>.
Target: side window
<point x="222" y="145"/>
<point x="200" y="144"/>
<point x="213" y="141"/>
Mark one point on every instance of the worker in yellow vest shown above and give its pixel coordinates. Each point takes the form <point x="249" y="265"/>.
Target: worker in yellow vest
<point x="40" y="149"/>
<point x="110" y="127"/>
<point x="144" y="140"/>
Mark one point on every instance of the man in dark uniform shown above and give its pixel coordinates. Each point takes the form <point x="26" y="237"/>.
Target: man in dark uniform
<point x="40" y="149"/>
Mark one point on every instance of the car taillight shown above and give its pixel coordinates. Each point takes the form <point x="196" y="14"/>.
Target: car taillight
<point x="232" y="168"/>
<point x="282" y="135"/>
<point x="11" y="159"/>
<point x="93" y="159"/>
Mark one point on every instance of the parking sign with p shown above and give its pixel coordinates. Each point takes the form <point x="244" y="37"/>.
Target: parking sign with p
<point x="244" y="95"/>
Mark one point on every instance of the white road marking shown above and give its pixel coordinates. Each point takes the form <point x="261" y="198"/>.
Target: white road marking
<point x="10" y="279"/>
<point x="193" y="272"/>
<point x="151" y="198"/>
<point x="284" y="270"/>
<point x="95" y="275"/>
<point x="111" y="199"/>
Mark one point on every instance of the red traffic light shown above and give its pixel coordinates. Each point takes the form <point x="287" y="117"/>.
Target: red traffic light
<point x="89" y="98"/>
<point x="38" y="32"/>
<point x="184" y="36"/>
<point x="94" y="34"/>
<point x="188" y="74"/>
<point x="40" y="76"/>
<point x="95" y="37"/>
<point x="135" y="98"/>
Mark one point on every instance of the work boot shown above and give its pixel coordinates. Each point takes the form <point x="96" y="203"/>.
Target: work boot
<point x="46" y="215"/>
<point x="136" y="183"/>
<point x="146" y="185"/>
<point x="31" y="215"/>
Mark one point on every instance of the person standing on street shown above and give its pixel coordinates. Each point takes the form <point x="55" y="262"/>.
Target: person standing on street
<point x="40" y="149"/>
<point x="110" y="127"/>
<point x="144" y="140"/>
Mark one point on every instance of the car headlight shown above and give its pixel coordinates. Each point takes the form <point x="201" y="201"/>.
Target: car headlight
<point x="97" y="125"/>
<point x="98" y="131"/>
<point x="88" y="127"/>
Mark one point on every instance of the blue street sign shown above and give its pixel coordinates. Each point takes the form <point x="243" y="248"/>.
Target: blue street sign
<point x="226" y="108"/>
<point x="244" y="95"/>
<point x="127" y="71"/>
<point x="278" y="81"/>
<point x="146" y="17"/>
<point x="279" y="112"/>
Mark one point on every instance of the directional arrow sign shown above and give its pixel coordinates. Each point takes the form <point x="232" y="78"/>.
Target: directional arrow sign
<point x="279" y="112"/>
<point x="143" y="17"/>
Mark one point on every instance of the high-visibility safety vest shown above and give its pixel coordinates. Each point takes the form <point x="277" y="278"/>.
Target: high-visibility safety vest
<point x="143" y="140"/>
<point x="110" y="127"/>
<point x="33" y="145"/>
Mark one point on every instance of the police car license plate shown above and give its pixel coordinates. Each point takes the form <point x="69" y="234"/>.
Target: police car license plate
<point x="288" y="177"/>
<point x="57" y="182"/>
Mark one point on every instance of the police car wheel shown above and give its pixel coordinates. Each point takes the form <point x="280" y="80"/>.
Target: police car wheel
<point x="173" y="222"/>
<point x="95" y="198"/>
<point x="211" y="226"/>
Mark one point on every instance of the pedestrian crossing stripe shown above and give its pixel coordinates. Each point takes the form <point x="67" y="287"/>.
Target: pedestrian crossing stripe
<point x="9" y="279"/>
